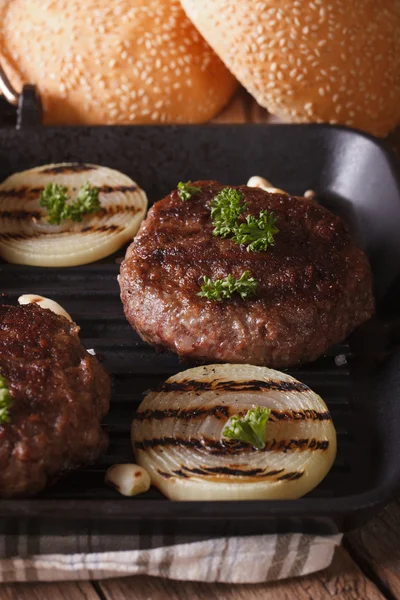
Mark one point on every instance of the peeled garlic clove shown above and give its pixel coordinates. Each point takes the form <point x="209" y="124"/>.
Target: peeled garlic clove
<point x="310" y="194"/>
<point x="128" y="479"/>
<point x="264" y="184"/>
<point x="44" y="303"/>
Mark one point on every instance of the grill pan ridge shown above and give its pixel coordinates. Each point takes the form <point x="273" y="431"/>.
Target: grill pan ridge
<point x="361" y="399"/>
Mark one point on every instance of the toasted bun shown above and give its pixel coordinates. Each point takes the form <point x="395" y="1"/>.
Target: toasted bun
<point x="311" y="60"/>
<point x="113" y="61"/>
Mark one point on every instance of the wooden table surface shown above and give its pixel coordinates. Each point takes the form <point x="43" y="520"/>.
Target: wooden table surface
<point x="366" y="567"/>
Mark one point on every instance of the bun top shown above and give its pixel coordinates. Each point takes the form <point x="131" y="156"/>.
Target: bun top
<point x="311" y="60"/>
<point x="113" y="61"/>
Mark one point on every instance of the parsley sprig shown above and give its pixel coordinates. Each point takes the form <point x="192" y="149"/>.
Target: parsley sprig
<point x="186" y="191"/>
<point x="55" y="199"/>
<point x="255" y="233"/>
<point x="250" y="428"/>
<point x="5" y="400"/>
<point x="226" y="208"/>
<point x="223" y="289"/>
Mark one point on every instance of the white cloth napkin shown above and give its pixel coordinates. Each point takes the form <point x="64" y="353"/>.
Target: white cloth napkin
<point x="230" y="560"/>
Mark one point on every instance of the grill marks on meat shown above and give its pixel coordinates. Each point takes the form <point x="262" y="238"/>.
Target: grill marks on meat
<point x="60" y="394"/>
<point x="314" y="283"/>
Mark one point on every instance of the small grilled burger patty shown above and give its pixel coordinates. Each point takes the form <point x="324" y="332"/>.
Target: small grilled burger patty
<point x="59" y="394"/>
<point x="314" y="283"/>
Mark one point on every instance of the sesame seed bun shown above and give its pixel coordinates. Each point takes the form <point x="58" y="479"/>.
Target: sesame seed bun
<point x="113" y="61"/>
<point x="334" y="61"/>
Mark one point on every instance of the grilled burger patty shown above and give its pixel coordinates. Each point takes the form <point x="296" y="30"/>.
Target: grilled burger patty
<point x="59" y="394"/>
<point x="314" y="284"/>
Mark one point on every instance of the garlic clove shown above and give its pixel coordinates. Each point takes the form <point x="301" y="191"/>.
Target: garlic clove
<point x="44" y="303"/>
<point x="264" y="184"/>
<point x="128" y="479"/>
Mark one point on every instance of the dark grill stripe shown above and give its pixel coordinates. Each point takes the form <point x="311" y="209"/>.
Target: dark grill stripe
<point x="70" y="168"/>
<point x="293" y="445"/>
<point x="110" y="189"/>
<point x="180" y="473"/>
<point x="103" y="228"/>
<point x="233" y="386"/>
<point x="163" y="474"/>
<point x="229" y="448"/>
<point x="27" y="193"/>
<point x="20" y="215"/>
<point x="300" y="415"/>
<point x="230" y="471"/>
<point x="168" y="441"/>
<point x="118" y="208"/>
<point x="226" y="411"/>
<point x="18" y="236"/>
<point x="33" y="193"/>
<point x="25" y="215"/>
<point x="171" y="413"/>
<point x="243" y="472"/>
<point x="291" y="476"/>
<point x="93" y="229"/>
<point x="233" y="471"/>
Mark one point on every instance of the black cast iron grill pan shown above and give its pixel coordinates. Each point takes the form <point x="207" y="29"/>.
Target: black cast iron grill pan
<point x="355" y="176"/>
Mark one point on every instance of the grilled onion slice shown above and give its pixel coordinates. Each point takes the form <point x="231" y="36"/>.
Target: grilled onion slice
<point x="177" y="435"/>
<point x="26" y="237"/>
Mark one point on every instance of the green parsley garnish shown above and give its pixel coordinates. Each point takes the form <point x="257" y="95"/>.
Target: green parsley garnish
<point x="223" y="289"/>
<point x="250" y="428"/>
<point x="54" y="197"/>
<point x="226" y="208"/>
<point x="5" y="401"/>
<point x="255" y="233"/>
<point x="186" y="191"/>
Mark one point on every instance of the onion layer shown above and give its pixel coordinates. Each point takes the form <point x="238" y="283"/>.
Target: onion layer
<point x="177" y="435"/>
<point x="26" y="237"/>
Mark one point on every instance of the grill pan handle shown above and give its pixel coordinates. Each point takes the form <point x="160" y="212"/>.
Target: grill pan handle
<point x="28" y="104"/>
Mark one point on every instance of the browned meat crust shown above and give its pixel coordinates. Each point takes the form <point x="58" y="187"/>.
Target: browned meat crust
<point x="314" y="284"/>
<point x="60" y="393"/>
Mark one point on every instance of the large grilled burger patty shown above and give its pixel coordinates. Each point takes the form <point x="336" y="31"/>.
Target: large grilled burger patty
<point x="59" y="394"/>
<point x="314" y="283"/>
